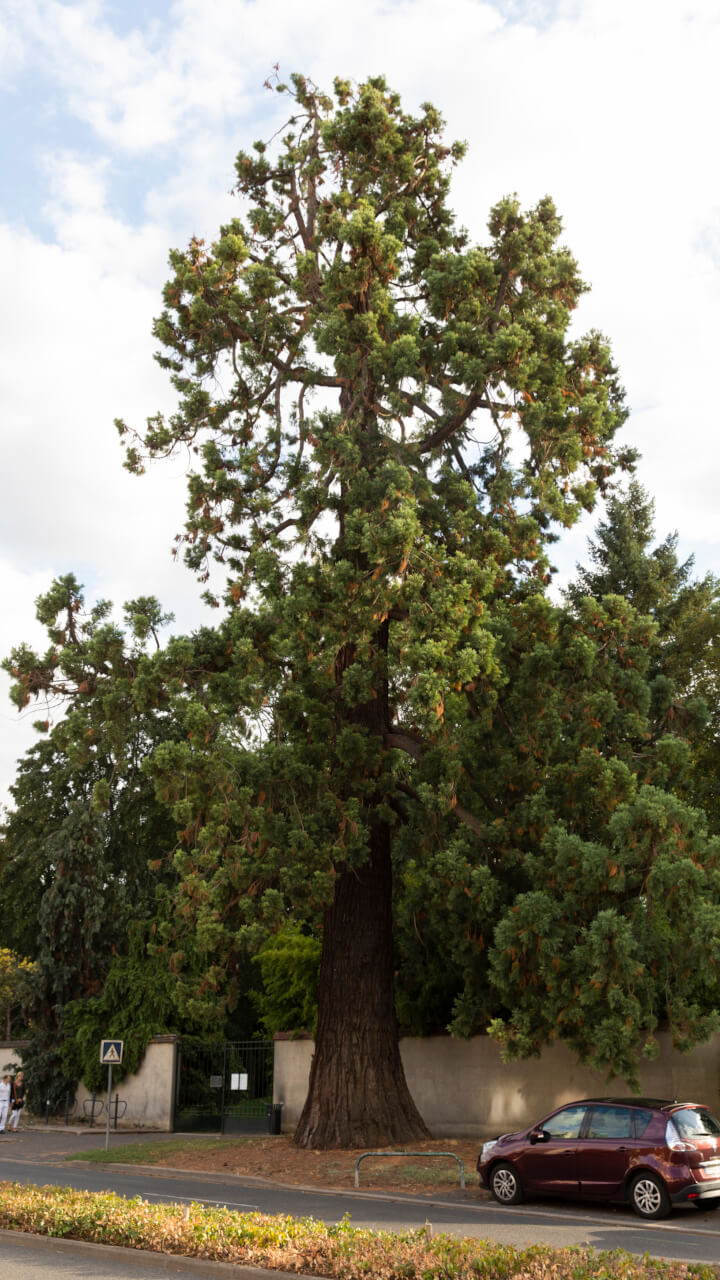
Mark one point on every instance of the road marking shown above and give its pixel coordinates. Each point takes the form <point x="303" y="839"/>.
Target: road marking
<point x="630" y="1224"/>
<point x="225" y="1204"/>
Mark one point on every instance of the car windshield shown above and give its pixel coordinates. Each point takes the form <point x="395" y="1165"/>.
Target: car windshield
<point x="696" y="1122"/>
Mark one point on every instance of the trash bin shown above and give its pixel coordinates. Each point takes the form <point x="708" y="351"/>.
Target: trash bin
<point x="274" y="1116"/>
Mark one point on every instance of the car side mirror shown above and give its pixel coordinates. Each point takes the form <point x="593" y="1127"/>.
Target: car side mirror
<point x="538" y="1135"/>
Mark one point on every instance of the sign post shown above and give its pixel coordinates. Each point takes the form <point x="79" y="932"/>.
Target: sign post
<point x="111" y="1053"/>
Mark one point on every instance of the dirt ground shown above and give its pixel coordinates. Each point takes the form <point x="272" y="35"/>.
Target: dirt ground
<point x="278" y="1159"/>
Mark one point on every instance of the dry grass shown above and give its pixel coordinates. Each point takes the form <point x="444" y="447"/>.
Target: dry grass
<point x="279" y="1159"/>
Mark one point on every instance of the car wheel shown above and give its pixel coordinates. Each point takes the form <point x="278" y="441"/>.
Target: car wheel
<point x="648" y="1197"/>
<point x="505" y="1185"/>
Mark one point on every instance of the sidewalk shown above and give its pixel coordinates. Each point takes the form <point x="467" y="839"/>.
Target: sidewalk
<point x="25" y="1255"/>
<point x="52" y="1141"/>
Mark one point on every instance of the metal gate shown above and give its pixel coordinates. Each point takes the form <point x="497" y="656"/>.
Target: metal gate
<point x="224" y="1087"/>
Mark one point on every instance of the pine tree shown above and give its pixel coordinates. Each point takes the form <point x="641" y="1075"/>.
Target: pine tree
<point x="684" y="668"/>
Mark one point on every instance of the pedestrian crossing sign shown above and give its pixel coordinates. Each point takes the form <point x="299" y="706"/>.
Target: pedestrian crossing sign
<point x="111" y="1052"/>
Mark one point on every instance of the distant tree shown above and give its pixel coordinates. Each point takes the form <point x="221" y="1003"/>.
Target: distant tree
<point x="388" y="424"/>
<point x="616" y="933"/>
<point x="75" y="847"/>
<point x="15" y="985"/>
<point x="624" y="562"/>
<point x="135" y="1003"/>
<point x="684" y="657"/>
<point x="614" y="929"/>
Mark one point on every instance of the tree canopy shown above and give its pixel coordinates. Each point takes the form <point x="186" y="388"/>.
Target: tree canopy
<point x="74" y="849"/>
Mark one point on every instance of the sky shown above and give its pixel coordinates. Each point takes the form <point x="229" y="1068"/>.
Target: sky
<point x="119" y="124"/>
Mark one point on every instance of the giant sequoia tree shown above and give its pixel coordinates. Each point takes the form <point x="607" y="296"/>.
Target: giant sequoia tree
<point x="387" y="422"/>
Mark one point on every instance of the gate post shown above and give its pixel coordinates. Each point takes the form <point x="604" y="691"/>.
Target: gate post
<point x="222" y="1095"/>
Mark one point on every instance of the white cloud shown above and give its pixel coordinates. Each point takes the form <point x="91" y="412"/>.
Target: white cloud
<point x="77" y="353"/>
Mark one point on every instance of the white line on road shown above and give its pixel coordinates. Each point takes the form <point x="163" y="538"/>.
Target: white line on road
<point x="629" y="1225"/>
<point x="225" y="1204"/>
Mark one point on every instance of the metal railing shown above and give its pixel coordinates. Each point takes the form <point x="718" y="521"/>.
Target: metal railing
<point x="425" y="1154"/>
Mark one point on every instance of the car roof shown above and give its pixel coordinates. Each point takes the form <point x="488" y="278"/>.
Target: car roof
<point x="657" y="1104"/>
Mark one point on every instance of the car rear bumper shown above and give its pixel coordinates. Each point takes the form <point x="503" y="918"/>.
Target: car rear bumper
<point x="696" y="1191"/>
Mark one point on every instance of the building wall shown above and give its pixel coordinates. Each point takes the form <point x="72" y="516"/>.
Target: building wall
<point x="10" y="1055"/>
<point x="149" y="1093"/>
<point x="462" y="1089"/>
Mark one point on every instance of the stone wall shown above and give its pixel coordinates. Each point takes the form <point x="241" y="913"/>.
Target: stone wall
<point x="149" y="1093"/>
<point x="11" y="1055"/>
<point x="462" y="1089"/>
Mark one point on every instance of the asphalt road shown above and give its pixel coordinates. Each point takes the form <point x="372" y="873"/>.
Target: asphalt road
<point x="30" y="1258"/>
<point x="36" y="1156"/>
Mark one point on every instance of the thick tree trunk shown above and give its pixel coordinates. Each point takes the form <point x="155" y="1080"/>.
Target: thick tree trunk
<point x="358" y="1095"/>
<point x="357" y="1092"/>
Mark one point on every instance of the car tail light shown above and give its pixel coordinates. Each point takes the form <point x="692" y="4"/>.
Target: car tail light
<point x="682" y="1146"/>
<point x="674" y="1141"/>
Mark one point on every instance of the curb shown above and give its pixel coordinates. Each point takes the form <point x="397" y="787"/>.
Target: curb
<point x="249" y="1180"/>
<point x="162" y="1261"/>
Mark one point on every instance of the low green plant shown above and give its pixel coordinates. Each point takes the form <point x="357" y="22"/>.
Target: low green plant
<point x="303" y="1245"/>
<point x="152" y="1152"/>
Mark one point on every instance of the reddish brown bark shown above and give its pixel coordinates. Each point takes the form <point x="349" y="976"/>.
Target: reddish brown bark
<point x="357" y="1094"/>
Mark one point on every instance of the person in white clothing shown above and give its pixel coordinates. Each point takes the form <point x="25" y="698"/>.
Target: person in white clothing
<point x="4" y="1101"/>
<point x="17" y="1101"/>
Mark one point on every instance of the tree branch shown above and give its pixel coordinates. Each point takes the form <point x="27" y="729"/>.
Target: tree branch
<point x="453" y="424"/>
<point x="413" y="746"/>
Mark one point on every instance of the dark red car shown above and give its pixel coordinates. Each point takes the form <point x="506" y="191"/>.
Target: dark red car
<point x="651" y="1153"/>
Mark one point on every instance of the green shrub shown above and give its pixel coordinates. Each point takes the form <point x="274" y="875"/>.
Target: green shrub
<point x="289" y="962"/>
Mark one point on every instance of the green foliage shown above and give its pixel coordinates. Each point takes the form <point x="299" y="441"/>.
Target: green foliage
<point x="75" y="848"/>
<point x="615" y="939"/>
<point x="289" y="962"/>
<point x="614" y="931"/>
<point x="16" y="974"/>
<point x="77" y="929"/>
<point x="136" y="1003"/>
<point x="684" y="655"/>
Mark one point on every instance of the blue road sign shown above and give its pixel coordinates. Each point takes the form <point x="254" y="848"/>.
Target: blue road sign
<point x="111" y="1052"/>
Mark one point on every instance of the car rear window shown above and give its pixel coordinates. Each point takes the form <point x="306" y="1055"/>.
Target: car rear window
<point x="696" y="1122"/>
